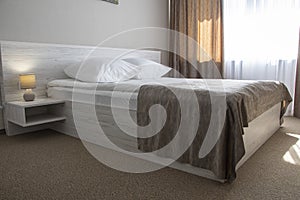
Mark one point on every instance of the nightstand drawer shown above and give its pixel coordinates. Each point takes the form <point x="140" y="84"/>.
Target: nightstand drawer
<point x="34" y="113"/>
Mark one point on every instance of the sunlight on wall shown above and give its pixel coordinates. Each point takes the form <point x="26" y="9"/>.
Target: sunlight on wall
<point x="293" y="155"/>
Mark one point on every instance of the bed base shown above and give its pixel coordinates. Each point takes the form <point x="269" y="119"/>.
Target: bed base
<point x="258" y="132"/>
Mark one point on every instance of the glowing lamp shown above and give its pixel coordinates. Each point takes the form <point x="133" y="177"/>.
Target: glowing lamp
<point x="28" y="82"/>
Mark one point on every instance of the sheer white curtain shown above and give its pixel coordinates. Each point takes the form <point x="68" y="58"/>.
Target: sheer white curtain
<point x="261" y="40"/>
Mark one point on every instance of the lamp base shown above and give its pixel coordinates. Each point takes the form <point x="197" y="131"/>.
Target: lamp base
<point x="29" y="95"/>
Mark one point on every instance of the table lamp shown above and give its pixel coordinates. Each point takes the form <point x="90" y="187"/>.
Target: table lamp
<point x="28" y="82"/>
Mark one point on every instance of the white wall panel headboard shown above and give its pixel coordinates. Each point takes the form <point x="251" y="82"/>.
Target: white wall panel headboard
<point x="47" y="61"/>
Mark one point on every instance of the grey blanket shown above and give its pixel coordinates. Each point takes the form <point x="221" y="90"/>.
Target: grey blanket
<point x="244" y="101"/>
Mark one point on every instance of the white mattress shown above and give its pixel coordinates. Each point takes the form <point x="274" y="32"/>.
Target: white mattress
<point x="124" y="94"/>
<point x="102" y="98"/>
<point x="66" y="88"/>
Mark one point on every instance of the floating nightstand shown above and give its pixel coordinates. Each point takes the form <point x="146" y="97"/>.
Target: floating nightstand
<point x="33" y="113"/>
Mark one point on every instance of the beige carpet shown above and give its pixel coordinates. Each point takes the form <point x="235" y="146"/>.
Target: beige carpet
<point x="48" y="165"/>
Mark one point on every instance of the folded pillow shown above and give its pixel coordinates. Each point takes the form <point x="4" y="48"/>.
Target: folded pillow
<point x="149" y="68"/>
<point x="102" y="69"/>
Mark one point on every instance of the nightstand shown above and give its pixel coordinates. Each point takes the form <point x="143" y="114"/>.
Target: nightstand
<point x="38" y="112"/>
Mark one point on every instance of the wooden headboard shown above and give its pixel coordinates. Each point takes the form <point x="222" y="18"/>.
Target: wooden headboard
<point x="48" y="61"/>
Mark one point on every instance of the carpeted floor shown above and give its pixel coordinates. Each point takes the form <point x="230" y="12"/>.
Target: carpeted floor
<point x="49" y="165"/>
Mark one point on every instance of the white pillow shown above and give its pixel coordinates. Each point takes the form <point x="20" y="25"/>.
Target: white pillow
<point x="102" y="70"/>
<point x="149" y="68"/>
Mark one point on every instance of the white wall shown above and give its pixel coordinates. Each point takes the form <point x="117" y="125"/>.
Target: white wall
<point x="80" y="22"/>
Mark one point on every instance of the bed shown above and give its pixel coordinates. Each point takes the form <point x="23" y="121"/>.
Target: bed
<point x="264" y="103"/>
<point x="259" y="107"/>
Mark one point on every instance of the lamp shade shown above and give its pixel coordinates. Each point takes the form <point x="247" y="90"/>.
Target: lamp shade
<point x="27" y="81"/>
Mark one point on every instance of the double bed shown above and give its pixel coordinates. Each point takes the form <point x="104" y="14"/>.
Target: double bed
<point x="257" y="108"/>
<point x="223" y="121"/>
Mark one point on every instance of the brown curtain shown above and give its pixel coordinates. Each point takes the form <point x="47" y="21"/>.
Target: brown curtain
<point x="201" y="20"/>
<point x="297" y="94"/>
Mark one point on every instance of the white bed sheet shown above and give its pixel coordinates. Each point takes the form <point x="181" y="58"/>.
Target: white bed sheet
<point x="212" y="84"/>
<point x="127" y="91"/>
<point x="102" y="98"/>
